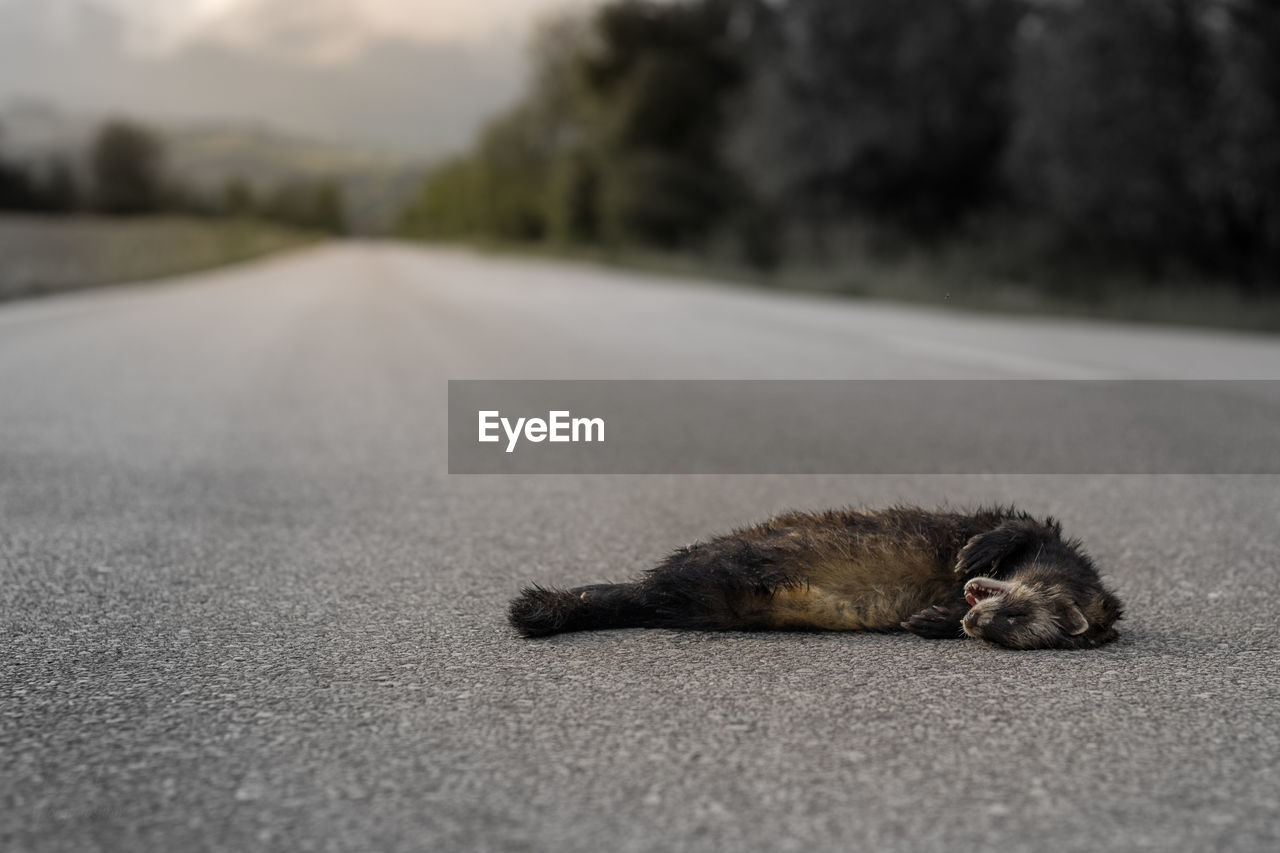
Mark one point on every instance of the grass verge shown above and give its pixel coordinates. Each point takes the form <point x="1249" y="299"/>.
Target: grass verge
<point x="960" y="277"/>
<point x="42" y="255"/>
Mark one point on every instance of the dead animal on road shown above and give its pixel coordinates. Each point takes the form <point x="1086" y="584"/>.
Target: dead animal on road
<point x="999" y="575"/>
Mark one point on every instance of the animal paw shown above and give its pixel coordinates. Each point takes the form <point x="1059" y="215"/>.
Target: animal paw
<point x="1003" y="545"/>
<point x="936" y="623"/>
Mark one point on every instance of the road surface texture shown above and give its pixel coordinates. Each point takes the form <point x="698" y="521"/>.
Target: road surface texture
<point x="243" y="607"/>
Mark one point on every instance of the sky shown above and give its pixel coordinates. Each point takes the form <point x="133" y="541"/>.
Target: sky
<point x="333" y="28"/>
<point x="406" y="75"/>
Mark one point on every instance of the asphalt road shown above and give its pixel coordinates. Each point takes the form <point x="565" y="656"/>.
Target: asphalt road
<point x="242" y="605"/>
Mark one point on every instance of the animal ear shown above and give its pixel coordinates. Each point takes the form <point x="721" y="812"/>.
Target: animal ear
<point x="1072" y="620"/>
<point x="1004" y="544"/>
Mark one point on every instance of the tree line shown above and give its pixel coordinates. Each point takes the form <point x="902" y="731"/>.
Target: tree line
<point x="1140" y="133"/>
<point x="124" y="174"/>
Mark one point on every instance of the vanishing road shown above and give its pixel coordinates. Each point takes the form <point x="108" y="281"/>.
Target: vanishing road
<point x="244" y="607"/>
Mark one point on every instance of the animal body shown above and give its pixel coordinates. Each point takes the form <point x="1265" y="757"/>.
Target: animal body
<point x="996" y="574"/>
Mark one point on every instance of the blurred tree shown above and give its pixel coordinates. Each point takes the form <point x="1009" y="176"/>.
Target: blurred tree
<point x="185" y="200"/>
<point x="573" y="198"/>
<point x="897" y="110"/>
<point x="127" y="163"/>
<point x="1248" y="188"/>
<point x="1114" y="136"/>
<point x="558" y="97"/>
<point x="658" y="83"/>
<point x="1142" y="129"/>
<point x="17" y="189"/>
<point x="450" y="204"/>
<point x="515" y="154"/>
<point x="48" y="188"/>
<point x="316" y="206"/>
<point x="620" y="137"/>
<point x="523" y="180"/>
<point x="286" y="204"/>
<point x="325" y="209"/>
<point x="59" y="190"/>
<point x="238" y="198"/>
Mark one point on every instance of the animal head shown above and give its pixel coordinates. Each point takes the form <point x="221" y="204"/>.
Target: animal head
<point x="1038" y="590"/>
<point x="1036" y="610"/>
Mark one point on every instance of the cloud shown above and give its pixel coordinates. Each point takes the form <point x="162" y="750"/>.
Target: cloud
<point x="401" y="92"/>
<point x="319" y="31"/>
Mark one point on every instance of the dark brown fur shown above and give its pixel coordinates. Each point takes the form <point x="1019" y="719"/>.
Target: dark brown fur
<point x="903" y="567"/>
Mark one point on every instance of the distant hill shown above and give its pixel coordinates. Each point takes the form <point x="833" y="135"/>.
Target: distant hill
<point x="376" y="185"/>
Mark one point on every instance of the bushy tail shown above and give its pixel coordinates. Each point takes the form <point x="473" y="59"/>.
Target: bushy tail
<point x="539" y="611"/>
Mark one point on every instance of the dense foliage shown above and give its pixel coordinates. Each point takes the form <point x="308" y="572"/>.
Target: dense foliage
<point x="1140" y="132"/>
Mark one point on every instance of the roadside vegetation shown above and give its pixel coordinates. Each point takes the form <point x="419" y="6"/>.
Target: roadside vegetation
<point x="119" y="214"/>
<point x="125" y="172"/>
<point x="1104" y="157"/>
<point x="43" y="255"/>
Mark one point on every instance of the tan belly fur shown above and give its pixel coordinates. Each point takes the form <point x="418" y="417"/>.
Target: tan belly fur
<point x="868" y="594"/>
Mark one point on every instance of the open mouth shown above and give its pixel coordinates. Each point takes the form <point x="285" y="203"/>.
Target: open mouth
<point x="980" y="589"/>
